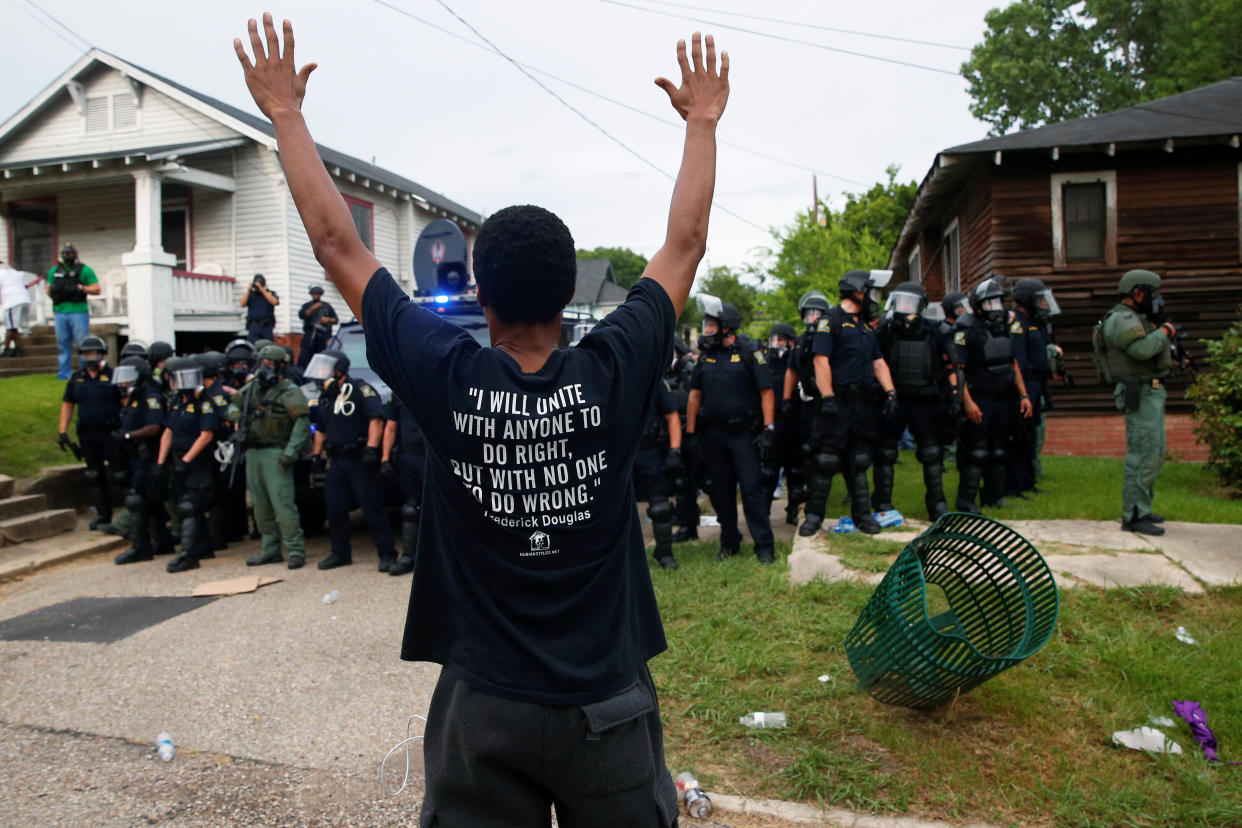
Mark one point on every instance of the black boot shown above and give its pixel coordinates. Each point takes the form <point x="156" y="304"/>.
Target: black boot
<point x="863" y="521"/>
<point x="133" y="555"/>
<point x="882" y="497"/>
<point x="402" y="566"/>
<point x="332" y="562"/>
<point x="811" y="525"/>
<point x="386" y="562"/>
<point x="183" y="562"/>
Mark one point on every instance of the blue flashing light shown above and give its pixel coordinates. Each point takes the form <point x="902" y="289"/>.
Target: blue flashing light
<point x="442" y="300"/>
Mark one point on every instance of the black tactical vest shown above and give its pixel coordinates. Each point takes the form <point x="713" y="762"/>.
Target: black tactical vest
<point x="913" y="364"/>
<point x="998" y="353"/>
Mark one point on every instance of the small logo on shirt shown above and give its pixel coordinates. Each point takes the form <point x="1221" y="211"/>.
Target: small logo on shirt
<point x="540" y="542"/>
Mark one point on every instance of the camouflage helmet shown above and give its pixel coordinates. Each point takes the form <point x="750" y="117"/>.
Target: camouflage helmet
<point x="274" y="352"/>
<point x="260" y="344"/>
<point x="1134" y="278"/>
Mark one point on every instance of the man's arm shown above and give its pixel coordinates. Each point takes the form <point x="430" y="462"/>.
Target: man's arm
<point x="700" y="100"/>
<point x="823" y="375"/>
<point x="390" y="440"/>
<point x="375" y="432"/>
<point x="278" y="86"/>
<point x="692" y="409"/>
<point x="272" y="298"/>
<point x="882" y="374"/>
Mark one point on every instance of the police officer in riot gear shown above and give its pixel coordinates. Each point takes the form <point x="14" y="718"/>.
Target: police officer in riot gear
<point x="1137" y="357"/>
<point x="1034" y="307"/>
<point x="730" y="400"/>
<point x="186" y="446"/>
<point x="799" y="401"/>
<point x="403" y="457"/>
<point x="955" y="305"/>
<point x="239" y="361"/>
<point x="923" y="374"/>
<point x="984" y="349"/>
<point x="141" y="427"/>
<point x="350" y="427"/>
<point x="98" y="403"/>
<point x="681" y="475"/>
<point x="133" y="348"/>
<point x="226" y="520"/>
<point x="855" y="392"/>
<point x="272" y="416"/>
<point x="660" y="438"/>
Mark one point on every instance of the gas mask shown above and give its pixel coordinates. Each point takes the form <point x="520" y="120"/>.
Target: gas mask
<point x="903" y="309"/>
<point x="994" y="315"/>
<point x="711" y="339"/>
<point x="69" y="257"/>
<point x="267" y="375"/>
<point x="92" y="360"/>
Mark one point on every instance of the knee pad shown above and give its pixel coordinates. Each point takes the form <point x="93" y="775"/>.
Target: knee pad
<point x="93" y="476"/>
<point x="134" y="502"/>
<point x="660" y="512"/>
<point x="826" y="463"/>
<point x="977" y="456"/>
<point x="930" y="454"/>
<point x="860" y="460"/>
<point x="997" y="455"/>
<point x="410" y="511"/>
<point x="185" y="507"/>
<point x="119" y="476"/>
<point x="886" y="456"/>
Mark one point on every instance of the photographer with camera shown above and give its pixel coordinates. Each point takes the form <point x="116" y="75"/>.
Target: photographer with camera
<point x="260" y="304"/>
<point x="317" y="317"/>
<point x="68" y="285"/>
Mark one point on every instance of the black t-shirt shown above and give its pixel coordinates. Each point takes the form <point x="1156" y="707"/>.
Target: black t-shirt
<point x="310" y="318"/>
<point x="850" y="346"/>
<point x="258" y="309"/>
<point x="188" y="417"/>
<point x="144" y="406"/>
<point x="97" y="399"/>
<point x="531" y="579"/>
<point x="346" y="409"/>
<point x="730" y="379"/>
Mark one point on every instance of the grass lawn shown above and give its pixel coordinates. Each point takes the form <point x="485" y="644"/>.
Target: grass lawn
<point x="31" y="408"/>
<point x="1031" y="746"/>
<point x="1087" y="488"/>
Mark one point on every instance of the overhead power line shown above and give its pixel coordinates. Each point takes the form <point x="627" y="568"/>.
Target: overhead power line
<point x="87" y="44"/>
<point x="636" y="110"/>
<point x="826" y="48"/>
<point x="40" y="20"/>
<point x="804" y="25"/>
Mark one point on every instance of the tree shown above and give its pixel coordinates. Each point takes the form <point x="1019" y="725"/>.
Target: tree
<point x="1044" y="61"/>
<point x="881" y="211"/>
<point x="1217" y="393"/>
<point x="627" y="265"/>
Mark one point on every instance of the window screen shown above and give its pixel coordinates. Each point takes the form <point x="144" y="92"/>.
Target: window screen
<point x="1086" y="221"/>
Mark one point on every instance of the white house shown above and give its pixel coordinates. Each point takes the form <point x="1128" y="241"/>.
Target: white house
<point x="176" y="200"/>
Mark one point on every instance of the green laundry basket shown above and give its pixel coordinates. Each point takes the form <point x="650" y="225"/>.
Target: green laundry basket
<point x="1002" y="605"/>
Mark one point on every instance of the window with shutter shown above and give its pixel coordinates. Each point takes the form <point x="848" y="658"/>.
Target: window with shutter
<point x="96" y="115"/>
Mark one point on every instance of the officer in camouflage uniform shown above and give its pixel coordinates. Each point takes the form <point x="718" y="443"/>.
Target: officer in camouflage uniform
<point x="1137" y="358"/>
<point x="276" y="432"/>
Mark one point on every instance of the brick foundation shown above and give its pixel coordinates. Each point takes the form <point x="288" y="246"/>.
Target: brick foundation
<point x="1104" y="435"/>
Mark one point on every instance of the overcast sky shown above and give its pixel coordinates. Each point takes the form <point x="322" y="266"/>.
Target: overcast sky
<point x="463" y="121"/>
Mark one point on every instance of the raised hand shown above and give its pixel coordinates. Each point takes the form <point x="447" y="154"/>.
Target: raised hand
<point x="273" y="79"/>
<point x="703" y="91"/>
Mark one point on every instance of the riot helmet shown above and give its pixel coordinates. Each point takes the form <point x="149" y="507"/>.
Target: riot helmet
<point x="989" y="304"/>
<point x="315" y="291"/>
<point x="326" y="365"/>
<point x="159" y="352"/>
<point x="719" y="320"/>
<point x="812" y="306"/>
<point x="134" y="347"/>
<point x="260" y="344"/>
<point x="1036" y="299"/>
<point x="955" y="305"/>
<point x="212" y="363"/>
<point x="91" y="351"/>
<point x="185" y="375"/>
<point x="133" y="372"/>
<point x="1143" y="287"/>
<point x="860" y="287"/>
<point x="781" y="337"/>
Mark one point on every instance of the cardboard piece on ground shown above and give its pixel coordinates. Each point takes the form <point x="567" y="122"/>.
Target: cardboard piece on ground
<point x="234" y="586"/>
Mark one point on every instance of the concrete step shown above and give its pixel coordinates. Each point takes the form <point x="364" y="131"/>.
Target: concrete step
<point x="65" y="486"/>
<point x="25" y="558"/>
<point x="37" y="526"/>
<point x="32" y="350"/>
<point x="28" y="362"/>
<point x="6" y="486"/>
<point x="22" y="505"/>
<point x="25" y="372"/>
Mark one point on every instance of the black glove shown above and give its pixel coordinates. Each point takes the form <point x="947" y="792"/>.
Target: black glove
<point x="387" y="470"/>
<point x="829" y="408"/>
<point x="319" y="464"/>
<point x="159" y="472"/>
<point x="1047" y="399"/>
<point x="955" y="407"/>
<point x="765" y="441"/>
<point x="371" y="457"/>
<point x="890" y="405"/>
<point x="182" y="468"/>
<point x="117" y="436"/>
<point x="788" y="409"/>
<point x="674" y="464"/>
<point x="63" y="441"/>
<point x="692" y="444"/>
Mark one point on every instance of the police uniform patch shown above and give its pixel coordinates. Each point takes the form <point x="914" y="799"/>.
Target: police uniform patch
<point x="959" y="338"/>
<point x="710" y="359"/>
<point x="1015" y="327"/>
<point x="735" y="358"/>
<point x="207" y="409"/>
<point x="760" y="358"/>
<point x="105" y="378"/>
<point x="367" y="391"/>
<point x="153" y="403"/>
<point x="189" y="409"/>
<point x="825" y="326"/>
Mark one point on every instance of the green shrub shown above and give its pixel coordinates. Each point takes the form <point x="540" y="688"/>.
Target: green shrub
<point x="1217" y="393"/>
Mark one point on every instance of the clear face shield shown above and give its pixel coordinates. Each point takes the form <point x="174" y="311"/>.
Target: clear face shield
<point x="710" y="326"/>
<point x="322" y="367"/>
<point x="811" y="315"/>
<point x="709" y="305"/>
<point x="778" y="343"/>
<point x="186" y="379"/>
<point x="125" y="376"/>
<point x="934" y="313"/>
<point x="902" y="304"/>
<point x="994" y="305"/>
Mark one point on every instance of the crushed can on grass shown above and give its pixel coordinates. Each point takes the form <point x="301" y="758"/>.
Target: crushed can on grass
<point x="698" y="805"/>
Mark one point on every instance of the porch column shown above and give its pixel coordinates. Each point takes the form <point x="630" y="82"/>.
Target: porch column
<point x="148" y="269"/>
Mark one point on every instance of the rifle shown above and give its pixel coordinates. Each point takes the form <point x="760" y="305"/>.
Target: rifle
<point x="1181" y="357"/>
<point x="238" y="440"/>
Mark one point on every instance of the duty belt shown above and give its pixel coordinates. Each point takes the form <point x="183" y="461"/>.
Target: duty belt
<point x="350" y="451"/>
<point x="735" y="424"/>
<point x="849" y="392"/>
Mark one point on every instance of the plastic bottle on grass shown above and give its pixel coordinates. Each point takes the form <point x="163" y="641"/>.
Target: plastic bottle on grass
<point x="331" y="597"/>
<point x="697" y="803"/>
<point x="763" y="720"/>
<point x="164" y="745"/>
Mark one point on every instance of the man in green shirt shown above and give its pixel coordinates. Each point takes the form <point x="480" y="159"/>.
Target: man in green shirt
<point x="1138" y="359"/>
<point x="68" y="284"/>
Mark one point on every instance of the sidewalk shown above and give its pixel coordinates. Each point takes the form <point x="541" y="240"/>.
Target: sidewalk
<point x="1191" y="556"/>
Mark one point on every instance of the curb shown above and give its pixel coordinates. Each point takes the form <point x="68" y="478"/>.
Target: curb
<point x="13" y="570"/>
<point x="810" y="815"/>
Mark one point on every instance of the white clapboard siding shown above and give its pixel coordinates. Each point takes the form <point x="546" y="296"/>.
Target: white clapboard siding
<point x="99" y="221"/>
<point x="260" y="230"/>
<point x="211" y="221"/>
<point x="60" y="131"/>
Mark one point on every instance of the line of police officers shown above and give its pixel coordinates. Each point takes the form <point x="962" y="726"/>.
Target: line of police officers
<point x="838" y="399"/>
<point x="185" y="438"/>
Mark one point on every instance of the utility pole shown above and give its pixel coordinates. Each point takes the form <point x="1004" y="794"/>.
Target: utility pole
<point x="815" y="198"/>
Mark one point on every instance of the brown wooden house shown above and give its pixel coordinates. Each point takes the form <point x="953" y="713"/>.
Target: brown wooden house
<point x="1158" y="186"/>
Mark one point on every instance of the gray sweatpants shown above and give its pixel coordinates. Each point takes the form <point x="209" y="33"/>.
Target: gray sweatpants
<point x="496" y="763"/>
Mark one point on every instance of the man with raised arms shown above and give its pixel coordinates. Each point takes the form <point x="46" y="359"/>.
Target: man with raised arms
<point x="544" y="698"/>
